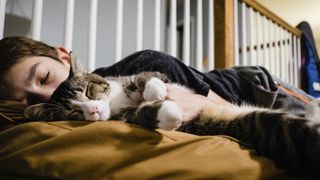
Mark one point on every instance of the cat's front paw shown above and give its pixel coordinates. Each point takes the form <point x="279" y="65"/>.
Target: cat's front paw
<point x="155" y="89"/>
<point x="169" y="116"/>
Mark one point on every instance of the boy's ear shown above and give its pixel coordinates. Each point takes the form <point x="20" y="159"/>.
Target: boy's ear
<point x="68" y="57"/>
<point x="63" y="55"/>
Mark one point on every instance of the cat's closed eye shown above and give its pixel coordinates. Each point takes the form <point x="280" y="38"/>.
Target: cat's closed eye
<point x="96" y="90"/>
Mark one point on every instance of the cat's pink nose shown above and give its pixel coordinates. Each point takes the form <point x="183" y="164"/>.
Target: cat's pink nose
<point x="94" y="110"/>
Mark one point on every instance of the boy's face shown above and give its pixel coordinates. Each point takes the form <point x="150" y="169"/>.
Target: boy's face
<point x="35" y="78"/>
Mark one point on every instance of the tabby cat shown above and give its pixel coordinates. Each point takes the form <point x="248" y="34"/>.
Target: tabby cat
<point x="291" y="142"/>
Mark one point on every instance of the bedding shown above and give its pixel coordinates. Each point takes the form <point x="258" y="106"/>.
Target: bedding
<point x="11" y="113"/>
<point x="115" y="150"/>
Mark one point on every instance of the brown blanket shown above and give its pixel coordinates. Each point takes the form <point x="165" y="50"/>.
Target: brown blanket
<point x="115" y="150"/>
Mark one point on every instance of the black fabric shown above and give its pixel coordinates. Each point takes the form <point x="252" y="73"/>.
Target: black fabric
<point x="259" y="85"/>
<point x="225" y="83"/>
<point x="149" y="60"/>
<point x="253" y="85"/>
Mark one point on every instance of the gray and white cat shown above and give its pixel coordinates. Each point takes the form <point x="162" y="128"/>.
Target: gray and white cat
<point x="291" y="142"/>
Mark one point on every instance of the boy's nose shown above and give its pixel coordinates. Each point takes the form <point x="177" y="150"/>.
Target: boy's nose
<point x="45" y="94"/>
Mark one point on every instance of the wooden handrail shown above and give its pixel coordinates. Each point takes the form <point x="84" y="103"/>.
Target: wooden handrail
<point x="272" y="16"/>
<point x="224" y="36"/>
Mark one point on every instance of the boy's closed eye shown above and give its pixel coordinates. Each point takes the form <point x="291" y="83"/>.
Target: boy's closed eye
<point x="45" y="78"/>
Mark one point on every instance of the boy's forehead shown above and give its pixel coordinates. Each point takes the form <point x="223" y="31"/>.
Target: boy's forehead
<point x="21" y="69"/>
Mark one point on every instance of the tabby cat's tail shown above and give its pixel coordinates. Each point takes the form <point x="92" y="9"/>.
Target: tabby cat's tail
<point x="291" y="142"/>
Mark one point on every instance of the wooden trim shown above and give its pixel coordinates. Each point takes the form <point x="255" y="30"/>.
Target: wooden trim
<point x="273" y="17"/>
<point x="224" y="35"/>
<point x="268" y="45"/>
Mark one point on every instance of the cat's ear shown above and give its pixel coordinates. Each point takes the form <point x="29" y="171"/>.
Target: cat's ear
<point x="75" y="66"/>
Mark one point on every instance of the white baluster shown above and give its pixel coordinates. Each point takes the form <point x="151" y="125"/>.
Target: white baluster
<point x="92" y="34"/>
<point x="290" y="59"/>
<point x="259" y="39"/>
<point x="266" y="62"/>
<point x="244" y="34"/>
<point x="283" y="66"/>
<point x="199" y="52"/>
<point x="252" y="37"/>
<point x="272" y="48"/>
<point x="36" y="19"/>
<point x="139" y="25"/>
<point x="236" y="33"/>
<point x="157" y="19"/>
<point x="68" y="27"/>
<point x="277" y="50"/>
<point x="299" y="61"/>
<point x="173" y="27"/>
<point x="295" y="61"/>
<point x="287" y="57"/>
<point x="186" y="33"/>
<point x="119" y="29"/>
<point x="211" y="36"/>
<point x="2" y="16"/>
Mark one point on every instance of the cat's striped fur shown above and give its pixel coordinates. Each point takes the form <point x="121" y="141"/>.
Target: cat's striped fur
<point x="291" y="142"/>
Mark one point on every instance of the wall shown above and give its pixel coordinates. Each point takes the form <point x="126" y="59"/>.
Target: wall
<point x="295" y="11"/>
<point x="318" y="45"/>
<point x="20" y="13"/>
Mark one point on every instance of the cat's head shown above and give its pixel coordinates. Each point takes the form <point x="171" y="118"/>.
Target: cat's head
<point x="74" y="98"/>
<point x="80" y="86"/>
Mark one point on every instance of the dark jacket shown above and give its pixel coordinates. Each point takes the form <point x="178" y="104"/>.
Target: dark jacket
<point x="253" y="85"/>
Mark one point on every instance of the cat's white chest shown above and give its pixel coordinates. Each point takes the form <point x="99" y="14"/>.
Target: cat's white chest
<point x="118" y="98"/>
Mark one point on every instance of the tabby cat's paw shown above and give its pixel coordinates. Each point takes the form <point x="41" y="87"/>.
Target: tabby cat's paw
<point x="155" y="89"/>
<point x="169" y="116"/>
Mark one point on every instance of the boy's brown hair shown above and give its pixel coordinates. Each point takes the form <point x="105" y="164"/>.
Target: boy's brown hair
<point x="13" y="49"/>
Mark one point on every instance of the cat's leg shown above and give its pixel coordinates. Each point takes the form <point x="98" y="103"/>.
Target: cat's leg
<point x="155" y="89"/>
<point x="152" y="85"/>
<point x="313" y="111"/>
<point x="165" y="115"/>
<point x="292" y="142"/>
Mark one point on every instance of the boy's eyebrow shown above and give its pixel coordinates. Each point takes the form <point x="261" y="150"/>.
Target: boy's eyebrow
<point x="32" y="71"/>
